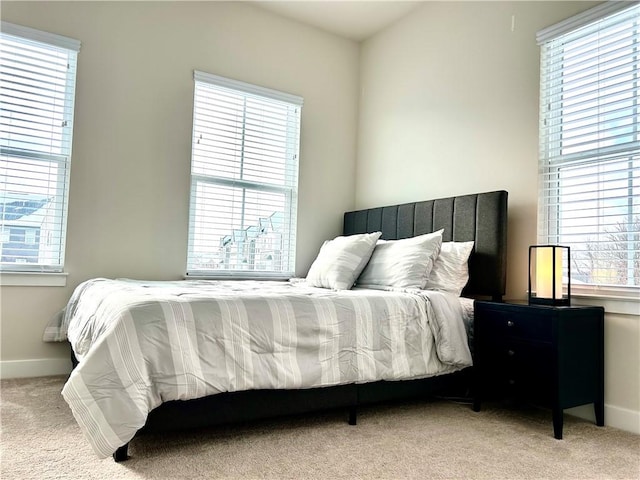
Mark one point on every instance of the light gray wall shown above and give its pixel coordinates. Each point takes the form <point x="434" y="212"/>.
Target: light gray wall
<point x="129" y="192"/>
<point x="449" y="105"/>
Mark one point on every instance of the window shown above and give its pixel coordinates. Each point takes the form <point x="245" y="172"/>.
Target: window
<point x="37" y="90"/>
<point x="589" y="195"/>
<point x="244" y="180"/>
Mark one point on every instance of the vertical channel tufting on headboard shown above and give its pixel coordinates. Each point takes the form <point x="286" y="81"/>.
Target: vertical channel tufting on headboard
<point x="481" y="217"/>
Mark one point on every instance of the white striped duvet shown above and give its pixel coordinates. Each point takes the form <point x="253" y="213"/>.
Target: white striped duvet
<point x="143" y="343"/>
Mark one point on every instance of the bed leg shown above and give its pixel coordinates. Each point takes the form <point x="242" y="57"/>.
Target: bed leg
<point x="353" y="414"/>
<point x="122" y="453"/>
<point x="74" y="360"/>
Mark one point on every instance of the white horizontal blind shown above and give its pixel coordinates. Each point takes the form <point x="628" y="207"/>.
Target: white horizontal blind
<point x="37" y="91"/>
<point x="589" y="195"/>
<point x="244" y="180"/>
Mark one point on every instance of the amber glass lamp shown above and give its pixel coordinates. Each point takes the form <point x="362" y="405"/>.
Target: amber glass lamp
<point x="547" y="285"/>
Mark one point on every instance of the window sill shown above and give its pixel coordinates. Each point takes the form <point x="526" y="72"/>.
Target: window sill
<point x="33" y="279"/>
<point x="612" y="304"/>
<point x="237" y="277"/>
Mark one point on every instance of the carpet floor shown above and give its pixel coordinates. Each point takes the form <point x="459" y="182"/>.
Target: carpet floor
<point x="433" y="439"/>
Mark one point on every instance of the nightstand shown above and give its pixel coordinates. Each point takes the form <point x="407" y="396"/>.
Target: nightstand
<point x="549" y="356"/>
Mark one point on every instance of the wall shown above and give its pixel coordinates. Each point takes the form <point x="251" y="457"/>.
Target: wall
<point x="449" y="105"/>
<point x="129" y="191"/>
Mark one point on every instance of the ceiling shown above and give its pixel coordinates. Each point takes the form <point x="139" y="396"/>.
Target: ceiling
<point x="356" y="20"/>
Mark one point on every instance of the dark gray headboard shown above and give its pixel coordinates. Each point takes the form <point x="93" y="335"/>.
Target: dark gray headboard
<point x="481" y="217"/>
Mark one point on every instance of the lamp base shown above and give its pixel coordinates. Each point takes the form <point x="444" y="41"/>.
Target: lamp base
<point x="552" y="302"/>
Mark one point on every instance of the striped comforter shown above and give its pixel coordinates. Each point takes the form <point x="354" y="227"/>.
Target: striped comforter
<point x="144" y="343"/>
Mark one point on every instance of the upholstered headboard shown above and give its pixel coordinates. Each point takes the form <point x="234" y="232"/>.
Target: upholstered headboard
<point x="481" y="217"/>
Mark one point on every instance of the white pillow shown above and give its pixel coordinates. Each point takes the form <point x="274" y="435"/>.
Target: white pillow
<point x="402" y="263"/>
<point x="341" y="260"/>
<point x="451" y="269"/>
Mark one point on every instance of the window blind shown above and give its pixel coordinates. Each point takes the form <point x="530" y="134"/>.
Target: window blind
<point x="589" y="170"/>
<point x="37" y="91"/>
<point x="244" y="180"/>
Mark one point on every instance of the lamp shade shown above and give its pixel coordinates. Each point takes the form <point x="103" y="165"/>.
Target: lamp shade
<point x="548" y="283"/>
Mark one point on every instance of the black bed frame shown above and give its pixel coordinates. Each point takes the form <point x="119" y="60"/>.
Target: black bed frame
<point x="479" y="217"/>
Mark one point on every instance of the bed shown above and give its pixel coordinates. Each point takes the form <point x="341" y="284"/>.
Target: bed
<point x="278" y="348"/>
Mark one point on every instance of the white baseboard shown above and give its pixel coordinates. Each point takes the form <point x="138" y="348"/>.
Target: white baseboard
<point x="616" y="417"/>
<point x="622" y="418"/>
<point x="34" y="368"/>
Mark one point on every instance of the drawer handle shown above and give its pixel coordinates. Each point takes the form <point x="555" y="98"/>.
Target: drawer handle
<point x="509" y="323"/>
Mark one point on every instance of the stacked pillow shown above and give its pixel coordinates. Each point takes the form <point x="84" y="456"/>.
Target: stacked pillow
<point x="422" y="262"/>
<point x="403" y="263"/>
<point x="341" y="261"/>
<point x="450" y="271"/>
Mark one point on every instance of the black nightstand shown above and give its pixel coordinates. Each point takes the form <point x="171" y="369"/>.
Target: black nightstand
<point x="549" y="356"/>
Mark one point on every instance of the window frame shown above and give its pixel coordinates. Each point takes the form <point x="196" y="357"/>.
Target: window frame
<point x="618" y="298"/>
<point x="289" y="191"/>
<point x="47" y="274"/>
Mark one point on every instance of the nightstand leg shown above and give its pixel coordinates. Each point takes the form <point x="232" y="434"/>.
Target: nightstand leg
<point x="557" y="423"/>
<point x="599" y="410"/>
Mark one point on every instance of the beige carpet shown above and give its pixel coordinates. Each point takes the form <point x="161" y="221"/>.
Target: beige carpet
<point x="422" y="439"/>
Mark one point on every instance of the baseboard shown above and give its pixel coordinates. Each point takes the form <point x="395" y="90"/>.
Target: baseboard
<point x="43" y="367"/>
<point x="616" y="417"/>
<point x="622" y="418"/>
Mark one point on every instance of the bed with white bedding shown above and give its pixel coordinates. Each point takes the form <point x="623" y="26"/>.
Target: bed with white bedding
<point x="147" y="347"/>
<point x="141" y="344"/>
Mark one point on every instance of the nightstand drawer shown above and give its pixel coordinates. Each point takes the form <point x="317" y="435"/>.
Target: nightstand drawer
<point x="518" y="354"/>
<point x="538" y="391"/>
<point x="522" y="325"/>
<point x="517" y="358"/>
<point x="518" y="368"/>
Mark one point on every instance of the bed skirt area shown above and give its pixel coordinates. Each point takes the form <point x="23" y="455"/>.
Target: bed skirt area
<point x="253" y="405"/>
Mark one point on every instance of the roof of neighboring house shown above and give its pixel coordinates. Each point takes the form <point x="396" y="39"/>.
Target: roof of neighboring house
<point x="20" y="206"/>
<point x="272" y="223"/>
